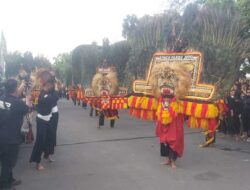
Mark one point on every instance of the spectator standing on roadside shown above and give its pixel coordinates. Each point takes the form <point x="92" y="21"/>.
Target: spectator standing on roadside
<point x="13" y="110"/>
<point x="246" y="114"/>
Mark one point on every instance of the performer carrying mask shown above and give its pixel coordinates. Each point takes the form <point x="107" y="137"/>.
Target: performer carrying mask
<point x="46" y="101"/>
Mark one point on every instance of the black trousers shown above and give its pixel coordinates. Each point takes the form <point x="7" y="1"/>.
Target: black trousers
<point x="102" y="118"/>
<point x="233" y="124"/>
<point x="166" y="151"/>
<point x="223" y="126"/>
<point x="74" y="101"/>
<point x="51" y="135"/>
<point x="41" y="144"/>
<point x="8" y="159"/>
<point x="54" y="124"/>
<point x="246" y="121"/>
<point x="91" y="112"/>
<point x="84" y="104"/>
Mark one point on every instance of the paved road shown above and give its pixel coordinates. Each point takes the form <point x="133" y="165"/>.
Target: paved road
<point x="127" y="158"/>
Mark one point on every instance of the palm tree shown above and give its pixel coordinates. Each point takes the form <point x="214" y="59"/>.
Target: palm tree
<point x="224" y="47"/>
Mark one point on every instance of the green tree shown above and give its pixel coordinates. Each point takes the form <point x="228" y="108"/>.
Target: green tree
<point x="63" y="67"/>
<point x="119" y="55"/>
<point x="85" y="59"/>
<point x="42" y="62"/>
<point x="16" y="61"/>
<point x="28" y="62"/>
<point x="129" y="26"/>
<point x="147" y="35"/>
<point x="218" y="28"/>
<point x="13" y="64"/>
<point x="220" y="40"/>
<point x="106" y="50"/>
<point x="244" y="6"/>
<point x="245" y="68"/>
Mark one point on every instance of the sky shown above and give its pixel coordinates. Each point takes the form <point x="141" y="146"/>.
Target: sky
<point x="50" y="27"/>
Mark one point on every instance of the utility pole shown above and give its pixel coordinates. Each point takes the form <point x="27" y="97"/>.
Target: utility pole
<point x="3" y="53"/>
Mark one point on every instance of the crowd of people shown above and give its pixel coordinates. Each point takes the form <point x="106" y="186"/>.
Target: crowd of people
<point x="236" y="121"/>
<point x="12" y="111"/>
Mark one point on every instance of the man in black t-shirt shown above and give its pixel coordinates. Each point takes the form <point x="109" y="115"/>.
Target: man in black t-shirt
<point x="13" y="109"/>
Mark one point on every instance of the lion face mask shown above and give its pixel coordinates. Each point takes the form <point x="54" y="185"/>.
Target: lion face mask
<point x="105" y="84"/>
<point x="170" y="80"/>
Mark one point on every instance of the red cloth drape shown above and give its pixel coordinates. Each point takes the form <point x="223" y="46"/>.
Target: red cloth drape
<point x="172" y="134"/>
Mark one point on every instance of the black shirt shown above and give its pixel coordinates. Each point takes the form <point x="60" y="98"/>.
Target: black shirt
<point x="55" y="95"/>
<point x="235" y="104"/>
<point x="10" y="132"/>
<point x="46" y="102"/>
<point x="246" y="103"/>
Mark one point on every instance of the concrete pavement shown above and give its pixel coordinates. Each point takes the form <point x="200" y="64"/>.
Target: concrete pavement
<point x="127" y="158"/>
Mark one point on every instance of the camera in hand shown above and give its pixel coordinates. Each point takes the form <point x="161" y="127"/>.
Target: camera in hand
<point x="25" y="78"/>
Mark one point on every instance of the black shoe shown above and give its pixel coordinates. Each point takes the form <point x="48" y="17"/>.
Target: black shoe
<point x="6" y="187"/>
<point x="16" y="182"/>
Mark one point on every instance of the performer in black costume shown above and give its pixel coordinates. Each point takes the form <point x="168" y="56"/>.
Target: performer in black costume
<point x="46" y="101"/>
<point x="52" y="130"/>
<point x="111" y="114"/>
<point x="92" y="109"/>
